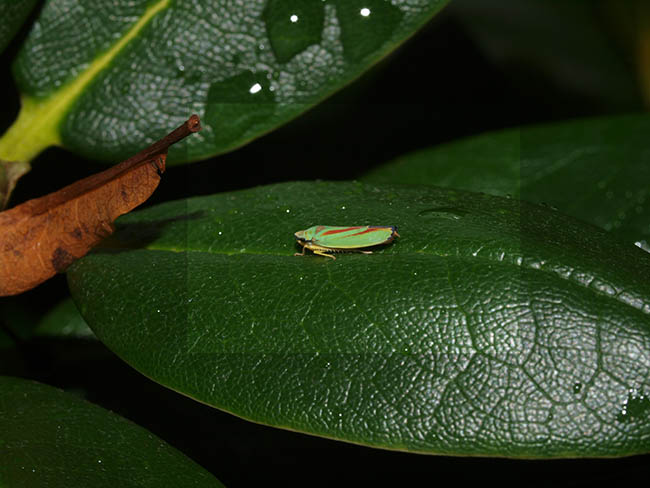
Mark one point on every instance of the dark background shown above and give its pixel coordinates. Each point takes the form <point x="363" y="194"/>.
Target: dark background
<point x="441" y="85"/>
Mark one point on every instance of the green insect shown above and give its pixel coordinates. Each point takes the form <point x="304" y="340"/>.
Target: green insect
<point x="323" y="239"/>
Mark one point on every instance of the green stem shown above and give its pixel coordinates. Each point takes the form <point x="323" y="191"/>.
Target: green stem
<point x="39" y="121"/>
<point x="34" y="130"/>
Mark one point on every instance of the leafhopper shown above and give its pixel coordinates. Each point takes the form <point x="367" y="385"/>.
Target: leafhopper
<point x="324" y="239"/>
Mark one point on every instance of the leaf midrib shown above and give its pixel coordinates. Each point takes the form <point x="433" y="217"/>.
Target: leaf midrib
<point x="518" y="262"/>
<point x="39" y="120"/>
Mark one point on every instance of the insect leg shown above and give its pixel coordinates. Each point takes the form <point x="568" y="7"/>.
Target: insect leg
<point x="321" y="253"/>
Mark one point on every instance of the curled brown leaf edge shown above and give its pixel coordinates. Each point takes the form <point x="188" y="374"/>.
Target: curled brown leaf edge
<point x="43" y="236"/>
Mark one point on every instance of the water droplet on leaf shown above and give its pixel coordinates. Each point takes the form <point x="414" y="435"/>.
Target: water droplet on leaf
<point x="293" y="25"/>
<point x="237" y="104"/>
<point x="635" y="407"/>
<point x="194" y="77"/>
<point x="643" y="244"/>
<point x="365" y="25"/>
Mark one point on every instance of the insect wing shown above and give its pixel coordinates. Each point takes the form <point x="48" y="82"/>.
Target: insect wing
<point x="353" y="237"/>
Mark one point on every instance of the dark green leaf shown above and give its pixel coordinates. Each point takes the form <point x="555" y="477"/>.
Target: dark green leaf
<point x="25" y="321"/>
<point x="105" y="79"/>
<point x="595" y="169"/>
<point x="51" y="438"/>
<point x="491" y="327"/>
<point x="12" y="15"/>
<point x="64" y="320"/>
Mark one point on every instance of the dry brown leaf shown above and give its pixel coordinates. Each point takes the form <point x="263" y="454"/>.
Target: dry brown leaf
<point x="43" y="236"/>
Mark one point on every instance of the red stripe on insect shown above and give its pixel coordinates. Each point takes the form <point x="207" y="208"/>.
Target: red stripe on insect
<point x="338" y="231"/>
<point x="367" y="231"/>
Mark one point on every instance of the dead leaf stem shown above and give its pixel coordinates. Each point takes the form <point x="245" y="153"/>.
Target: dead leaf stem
<point x="43" y="236"/>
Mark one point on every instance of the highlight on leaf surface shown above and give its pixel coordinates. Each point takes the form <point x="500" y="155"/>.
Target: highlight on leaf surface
<point x="492" y="327"/>
<point x="606" y="158"/>
<point x="43" y="236"/>
<point x="245" y="67"/>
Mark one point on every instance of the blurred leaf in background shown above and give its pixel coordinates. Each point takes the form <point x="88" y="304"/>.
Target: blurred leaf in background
<point x="64" y="321"/>
<point x="53" y="438"/>
<point x="570" y="45"/>
<point x="12" y="15"/>
<point x="629" y="24"/>
<point x="595" y="169"/>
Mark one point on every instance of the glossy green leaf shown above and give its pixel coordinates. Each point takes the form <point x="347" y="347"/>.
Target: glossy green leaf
<point x="64" y="320"/>
<point x="105" y="79"/>
<point x="26" y="321"/>
<point x="12" y="15"/>
<point x="55" y="439"/>
<point x="594" y="169"/>
<point x="490" y="327"/>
